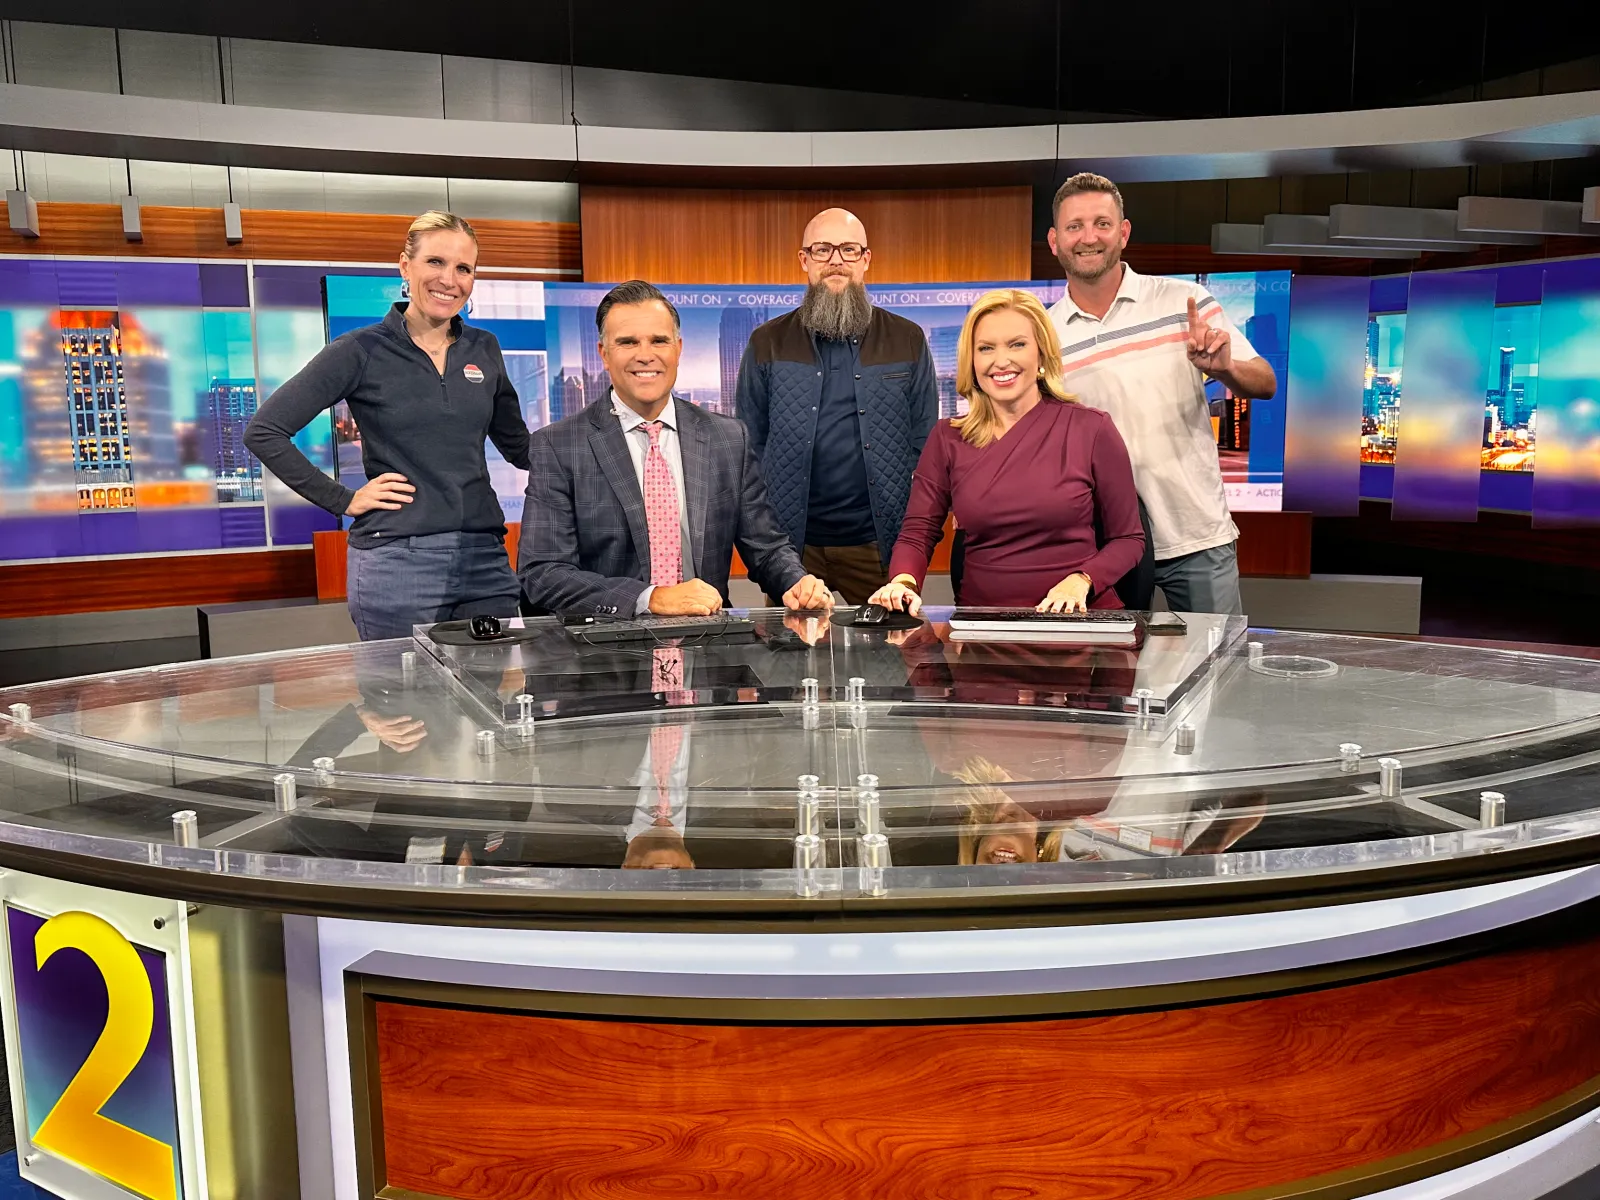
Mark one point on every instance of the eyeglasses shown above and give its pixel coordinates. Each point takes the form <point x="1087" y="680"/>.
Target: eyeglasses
<point x="823" y="251"/>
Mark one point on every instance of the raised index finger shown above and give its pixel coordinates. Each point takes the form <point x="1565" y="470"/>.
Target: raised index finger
<point x="1194" y="316"/>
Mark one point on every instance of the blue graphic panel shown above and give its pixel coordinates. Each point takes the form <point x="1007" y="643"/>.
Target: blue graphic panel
<point x="1448" y="324"/>
<point x="1322" y="451"/>
<point x="1566" y="487"/>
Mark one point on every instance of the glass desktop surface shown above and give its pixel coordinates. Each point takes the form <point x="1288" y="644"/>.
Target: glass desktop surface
<point x="566" y="673"/>
<point x="544" y="762"/>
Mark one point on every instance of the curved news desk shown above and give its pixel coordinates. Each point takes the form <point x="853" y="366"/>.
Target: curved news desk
<point x="1219" y="914"/>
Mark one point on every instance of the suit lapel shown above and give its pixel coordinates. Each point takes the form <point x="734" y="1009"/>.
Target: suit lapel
<point x="611" y="452"/>
<point x="694" y="447"/>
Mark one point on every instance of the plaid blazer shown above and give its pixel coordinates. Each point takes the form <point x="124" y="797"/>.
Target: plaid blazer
<point x="585" y="542"/>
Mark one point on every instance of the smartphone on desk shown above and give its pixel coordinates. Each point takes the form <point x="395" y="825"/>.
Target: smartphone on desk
<point x="1165" y="624"/>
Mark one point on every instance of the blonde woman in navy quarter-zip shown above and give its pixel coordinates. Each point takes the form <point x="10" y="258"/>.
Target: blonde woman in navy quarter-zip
<point x="428" y="538"/>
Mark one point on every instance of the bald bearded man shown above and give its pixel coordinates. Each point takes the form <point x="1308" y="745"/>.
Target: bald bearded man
<point x="839" y="397"/>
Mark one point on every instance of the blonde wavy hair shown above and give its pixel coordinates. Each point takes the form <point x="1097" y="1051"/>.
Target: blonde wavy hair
<point x="983" y="797"/>
<point x="981" y="425"/>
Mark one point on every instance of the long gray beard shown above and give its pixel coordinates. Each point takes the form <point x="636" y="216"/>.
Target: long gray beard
<point x="836" y="316"/>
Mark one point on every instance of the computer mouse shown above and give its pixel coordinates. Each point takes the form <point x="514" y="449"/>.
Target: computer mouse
<point x="871" y="614"/>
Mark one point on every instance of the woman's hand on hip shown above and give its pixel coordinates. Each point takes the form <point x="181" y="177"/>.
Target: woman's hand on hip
<point x="389" y="490"/>
<point x="1069" y="596"/>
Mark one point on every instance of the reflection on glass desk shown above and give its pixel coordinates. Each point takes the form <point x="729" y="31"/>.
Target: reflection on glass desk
<point x="552" y="672"/>
<point x="548" y="763"/>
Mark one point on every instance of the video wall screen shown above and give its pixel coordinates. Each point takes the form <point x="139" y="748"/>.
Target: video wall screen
<point x="125" y="388"/>
<point x="1508" y="360"/>
<point x="1566" y="490"/>
<point x="548" y="335"/>
<point x="1250" y="433"/>
<point x="1510" y="406"/>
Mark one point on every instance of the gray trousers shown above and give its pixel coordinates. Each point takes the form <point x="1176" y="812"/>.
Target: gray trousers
<point x="1206" y="581"/>
<point x="419" y="580"/>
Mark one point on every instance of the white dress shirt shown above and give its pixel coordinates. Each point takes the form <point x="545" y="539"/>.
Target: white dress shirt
<point x="638" y="441"/>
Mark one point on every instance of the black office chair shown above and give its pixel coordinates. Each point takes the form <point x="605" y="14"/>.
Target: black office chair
<point x="1136" y="589"/>
<point x="958" y="561"/>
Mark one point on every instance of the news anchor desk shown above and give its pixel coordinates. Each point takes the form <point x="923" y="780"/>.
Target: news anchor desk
<point x="1226" y="914"/>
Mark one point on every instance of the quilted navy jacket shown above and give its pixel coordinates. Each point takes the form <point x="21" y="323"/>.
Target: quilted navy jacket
<point x="780" y="389"/>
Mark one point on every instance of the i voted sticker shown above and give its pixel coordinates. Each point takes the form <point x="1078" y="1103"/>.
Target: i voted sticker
<point x="472" y="372"/>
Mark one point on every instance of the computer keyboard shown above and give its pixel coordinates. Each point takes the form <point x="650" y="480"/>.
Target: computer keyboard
<point x="651" y="628"/>
<point x="1024" y="620"/>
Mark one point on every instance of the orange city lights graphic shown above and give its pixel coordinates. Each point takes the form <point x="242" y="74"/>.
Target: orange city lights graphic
<point x="98" y="415"/>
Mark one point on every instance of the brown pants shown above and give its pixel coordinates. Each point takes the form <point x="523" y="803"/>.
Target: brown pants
<point x="855" y="572"/>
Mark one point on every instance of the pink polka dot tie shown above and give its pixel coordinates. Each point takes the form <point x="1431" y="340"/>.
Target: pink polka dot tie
<point x="661" y="513"/>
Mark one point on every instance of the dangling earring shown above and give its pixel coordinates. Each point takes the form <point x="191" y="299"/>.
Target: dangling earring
<point x="405" y="288"/>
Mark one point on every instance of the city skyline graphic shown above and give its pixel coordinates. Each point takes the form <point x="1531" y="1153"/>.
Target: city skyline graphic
<point x="96" y="400"/>
<point x="1511" y="405"/>
<point x="104" y="402"/>
<point x="717" y="324"/>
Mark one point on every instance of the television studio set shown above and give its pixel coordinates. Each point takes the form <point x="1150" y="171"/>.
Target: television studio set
<point x="969" y="602"/>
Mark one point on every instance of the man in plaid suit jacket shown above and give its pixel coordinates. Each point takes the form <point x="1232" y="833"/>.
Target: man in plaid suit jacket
<point x="585" y="543"/>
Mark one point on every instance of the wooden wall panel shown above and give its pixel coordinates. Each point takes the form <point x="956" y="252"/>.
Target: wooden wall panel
<point x="1274" y="544"/>
<point x="1176" y="1105"/>
<point x="154" y="581"/>
<point x="694" y="236"/>
<point x="328" y="548"/>
<point x="268" y="233"/>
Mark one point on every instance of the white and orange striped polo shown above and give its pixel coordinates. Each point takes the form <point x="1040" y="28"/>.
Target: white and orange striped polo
<point x="1134" y="364"/>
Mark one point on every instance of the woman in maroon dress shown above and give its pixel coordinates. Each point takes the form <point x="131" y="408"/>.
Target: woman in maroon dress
<point x="1029" y="474"/>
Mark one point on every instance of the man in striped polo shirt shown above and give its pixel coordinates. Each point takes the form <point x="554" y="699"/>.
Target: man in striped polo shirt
<point x="1140" y="347"/>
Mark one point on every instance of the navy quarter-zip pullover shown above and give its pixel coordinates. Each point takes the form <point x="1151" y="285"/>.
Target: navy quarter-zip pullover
<point x="413" y="420"/>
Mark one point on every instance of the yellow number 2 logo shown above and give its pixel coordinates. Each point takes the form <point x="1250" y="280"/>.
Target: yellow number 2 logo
<point x="74" y="1128"/>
